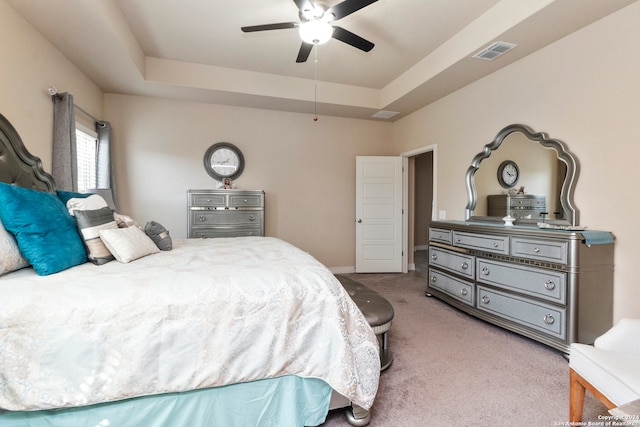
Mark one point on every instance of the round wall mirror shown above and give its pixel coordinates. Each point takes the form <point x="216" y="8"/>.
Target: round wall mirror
<point x="223" y="160"/>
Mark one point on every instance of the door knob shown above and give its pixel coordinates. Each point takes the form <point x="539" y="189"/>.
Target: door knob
<point x="359" y="220"/>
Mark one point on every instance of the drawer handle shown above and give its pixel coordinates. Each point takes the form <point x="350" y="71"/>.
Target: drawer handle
<point x="202" y="236"/>
<point x="434" y="256"/>
<point x="464" y="292"/>
<point x="433" y="279"/>
<point x="458" y="239"/>
<point x="495" y="245"/>
<point x="246" y="201"/>
<point x="202" y="218"/>
<point x="549" y="285"/>
<point x="549" y="320"/>
<point x="252" y="217"/>
<point x="464" y="266"/>
<point x="486" y="299"/>
<point x="485" y="271"/>
<point x="536" y="250"/>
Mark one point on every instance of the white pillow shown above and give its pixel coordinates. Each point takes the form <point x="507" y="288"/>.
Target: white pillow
<point x="90" y="203"/>
<point x="10" y="257"/>
<point x="128" y="244"/>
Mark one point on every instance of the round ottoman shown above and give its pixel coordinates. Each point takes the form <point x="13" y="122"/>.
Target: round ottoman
<point x="378" y="312"/>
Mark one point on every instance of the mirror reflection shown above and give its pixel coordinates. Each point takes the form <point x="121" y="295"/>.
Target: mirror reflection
<point x="543" y="189"/>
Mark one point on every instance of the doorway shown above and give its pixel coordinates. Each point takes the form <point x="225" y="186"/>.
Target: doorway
<point x="421" y="197"/>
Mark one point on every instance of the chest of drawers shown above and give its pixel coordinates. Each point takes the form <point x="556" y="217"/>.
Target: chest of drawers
<point x="225" y="213"/>
<point x="547" y="285"/>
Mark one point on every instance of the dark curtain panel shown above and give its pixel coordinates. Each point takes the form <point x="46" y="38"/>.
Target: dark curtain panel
<point x="64" y="143"/>
<point x="104" y="164"/>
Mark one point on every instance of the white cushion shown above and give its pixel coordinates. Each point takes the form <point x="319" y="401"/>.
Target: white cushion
<point x="614" y="374"/>
<point x="10" y="257"/>
<point x="90" y="203"/>
<point x="623" y="337"/>
<point x="128" y="244"/>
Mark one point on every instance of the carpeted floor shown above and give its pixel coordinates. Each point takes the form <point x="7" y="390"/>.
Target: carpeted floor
<point x="451" y="369"/>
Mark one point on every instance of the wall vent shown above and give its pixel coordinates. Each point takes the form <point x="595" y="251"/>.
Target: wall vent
<point x="492" y="52"/>
<point x="383" y="114"/>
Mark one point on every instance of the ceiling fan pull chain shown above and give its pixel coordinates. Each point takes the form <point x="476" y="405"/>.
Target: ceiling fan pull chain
<point x="315" y="85"/>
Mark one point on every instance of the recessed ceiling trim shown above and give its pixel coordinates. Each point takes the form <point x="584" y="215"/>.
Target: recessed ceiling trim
<point x="494" y="50"/>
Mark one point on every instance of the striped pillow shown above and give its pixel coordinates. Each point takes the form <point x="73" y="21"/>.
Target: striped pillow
<point x="90" y="222"/>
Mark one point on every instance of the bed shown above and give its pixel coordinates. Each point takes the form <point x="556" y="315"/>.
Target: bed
<point x="247" y="331"/>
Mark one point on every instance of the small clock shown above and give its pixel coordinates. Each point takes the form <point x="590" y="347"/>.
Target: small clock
<point x="508" y="173"/>
<point x="223" y="160"/>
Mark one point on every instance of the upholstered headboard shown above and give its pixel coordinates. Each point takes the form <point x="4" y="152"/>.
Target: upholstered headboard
<point x="17" y="165"/>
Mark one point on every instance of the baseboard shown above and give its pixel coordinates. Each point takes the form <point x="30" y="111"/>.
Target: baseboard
<point x="343" y="270"/>
<point x="352" y="269"/>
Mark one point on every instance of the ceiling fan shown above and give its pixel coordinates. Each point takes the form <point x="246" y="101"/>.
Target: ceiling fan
<point x="316" y="25"/>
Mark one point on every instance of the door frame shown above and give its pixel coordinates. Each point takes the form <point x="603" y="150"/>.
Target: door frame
<point x="405" y="196"/>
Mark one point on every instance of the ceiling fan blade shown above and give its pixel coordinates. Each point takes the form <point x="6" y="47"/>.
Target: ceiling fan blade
<point x="265" y="27"/>
<point x="348" y="37"/>
<point x="303" y="4"/>
<point x="347" y="7"/>
<point x="304" y="52"/>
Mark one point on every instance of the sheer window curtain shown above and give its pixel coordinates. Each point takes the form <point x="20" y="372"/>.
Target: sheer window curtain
<point x="65" y="166"/>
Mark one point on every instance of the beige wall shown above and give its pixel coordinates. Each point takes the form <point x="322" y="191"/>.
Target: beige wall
<point x="583" y="90"/>
<point x="306" y="168"/>
<point x="29" y="65"/>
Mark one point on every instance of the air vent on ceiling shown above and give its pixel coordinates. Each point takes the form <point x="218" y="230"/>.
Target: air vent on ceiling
<point x="495" y="50"/>
<point x="385" y="114"/>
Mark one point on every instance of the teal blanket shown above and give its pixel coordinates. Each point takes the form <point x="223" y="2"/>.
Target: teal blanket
<point x="597" y="237"/>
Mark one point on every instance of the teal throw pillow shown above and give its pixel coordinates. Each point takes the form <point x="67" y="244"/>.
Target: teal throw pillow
<point x="66" y="195"/>
<point x="46" y="234"/>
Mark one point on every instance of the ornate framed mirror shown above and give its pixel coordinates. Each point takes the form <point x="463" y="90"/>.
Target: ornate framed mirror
<point x="547" y="172"/>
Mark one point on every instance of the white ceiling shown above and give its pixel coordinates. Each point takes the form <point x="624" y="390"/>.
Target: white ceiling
<point x="194" y="49"/>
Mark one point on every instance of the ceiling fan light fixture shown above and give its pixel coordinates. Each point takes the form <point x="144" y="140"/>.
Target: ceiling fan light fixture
<point x="315" y="32"/>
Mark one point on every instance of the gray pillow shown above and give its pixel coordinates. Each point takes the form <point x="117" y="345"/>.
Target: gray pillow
<point x="90" y="222"/>
<point x="159" y="235"/>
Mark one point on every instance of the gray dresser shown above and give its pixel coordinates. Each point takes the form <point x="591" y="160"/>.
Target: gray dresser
<point x="225" y="213"/>
<point x="549" y="285"/>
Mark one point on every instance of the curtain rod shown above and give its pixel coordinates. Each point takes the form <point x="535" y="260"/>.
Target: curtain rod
<point x="54" y="92"/>
<point x="85" y="112"/>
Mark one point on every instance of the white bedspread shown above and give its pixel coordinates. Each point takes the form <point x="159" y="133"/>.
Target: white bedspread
<point x="208" y="313"/>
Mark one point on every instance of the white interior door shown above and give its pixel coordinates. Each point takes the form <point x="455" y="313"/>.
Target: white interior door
<point x="379" y="214"/>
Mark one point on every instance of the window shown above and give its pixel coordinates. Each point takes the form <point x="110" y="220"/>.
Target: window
<point x="86" y="153"/>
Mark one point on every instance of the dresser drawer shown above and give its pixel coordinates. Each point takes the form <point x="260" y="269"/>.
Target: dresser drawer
<point x="452" y="261"/>
<point x="536" y="315"/>
<point x="542" y="250"/>
<point x="457" y="288"/>
<point x="225" y="217"/>
<point x="483" y="242"/>
<point x="208" y="200"/>
<point x="239" y="200"/>
<point x="545" y="284"/>
<point x="439" y="235"/>
<point x="224" y="232"/>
